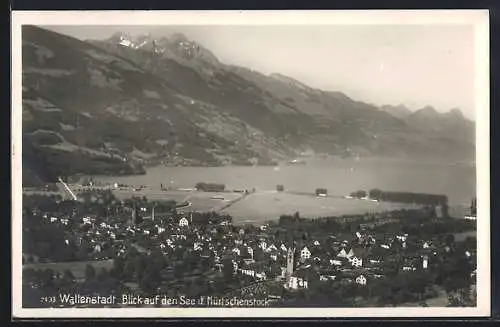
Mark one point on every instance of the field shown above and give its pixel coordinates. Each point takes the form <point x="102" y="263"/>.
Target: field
<point x="77" y="267"/>
<point x="270" y="205"/>
<point x="200" y="201"/>
<point x="265" y="205"/>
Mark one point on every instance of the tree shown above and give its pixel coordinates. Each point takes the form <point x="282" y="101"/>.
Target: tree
<point x="89" y="273"/>
<point x="68" y="278"/>
<point x="274" y="270"/>
<point x="465" y="297"/>
<point x="449" y="239"/>
<point x="322" y="191"/>
<point x="150" y="282"/>
<point x="118" y="267"/>
<point x="228" y="270"/>
<point x="29" y="259"/>
<point x="359" y="194"/>
<point x="139" y="268"/>
<point x="103" y="275"/>
<point x="296" y="216"/>
<point x="285" y="220"/>
<point x="470" y="243"/>
<point x="375" y="194"/>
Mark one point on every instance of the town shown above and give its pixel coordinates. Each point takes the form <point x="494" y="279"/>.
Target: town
<point x="103" y="246"/>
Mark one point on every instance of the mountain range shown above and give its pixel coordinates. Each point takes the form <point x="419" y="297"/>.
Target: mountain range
<point x="112" y="106"/>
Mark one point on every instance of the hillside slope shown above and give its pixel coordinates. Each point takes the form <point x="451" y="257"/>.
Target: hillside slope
<point x="112" y="106"/>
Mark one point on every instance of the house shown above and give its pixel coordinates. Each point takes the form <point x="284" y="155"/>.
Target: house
<point x="335" y="262"/>
<point x="247" y="272"/>
<point x="344" y="254"/>
<point x="250" y="251"/>
<point x="271" y="248"/>
<point x="97" y="248"/>
<point x="236" y="251"/>
<point x="283" y="248"/>
<point x="305" y="253"/>
<point x="402" y="238"/>
<point x="357" y="262"/>
<point x="361" y="280"/>
<point x="260" y="276"/>
<point x="425" y="262"/>
<point x="316" y="243"/>
<point x="326" y="276"/>
<point x="409" y="268"/>
<point x="283" y="272"/>
<point x="197" y="246"/>
<point x="183" y="222"/>
<point x="296" y="283"/>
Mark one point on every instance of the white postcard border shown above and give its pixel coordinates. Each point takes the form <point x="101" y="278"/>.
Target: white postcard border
<point x="478" y="18"/>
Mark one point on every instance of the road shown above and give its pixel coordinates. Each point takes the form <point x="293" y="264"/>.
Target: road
<point x="231" y="202"/>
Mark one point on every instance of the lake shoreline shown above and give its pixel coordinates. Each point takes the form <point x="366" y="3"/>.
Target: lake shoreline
<point x="338" y="177"/>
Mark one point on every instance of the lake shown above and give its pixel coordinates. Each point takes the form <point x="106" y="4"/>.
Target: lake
<point x="339" y="176"/>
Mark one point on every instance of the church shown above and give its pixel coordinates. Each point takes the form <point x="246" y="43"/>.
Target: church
<point x="292" y="282"/>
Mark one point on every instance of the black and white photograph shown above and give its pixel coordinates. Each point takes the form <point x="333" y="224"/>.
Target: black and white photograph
<point x="270" y="164"/>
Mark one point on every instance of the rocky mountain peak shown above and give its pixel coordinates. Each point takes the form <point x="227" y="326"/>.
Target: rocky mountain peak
<point x="176" y="45"/>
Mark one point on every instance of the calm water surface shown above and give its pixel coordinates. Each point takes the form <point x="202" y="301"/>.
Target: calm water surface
<point x="339" y="176"/>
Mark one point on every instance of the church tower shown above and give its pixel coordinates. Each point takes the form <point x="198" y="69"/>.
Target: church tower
<point x="133" y="214"/>
<point x="290" y="262"/>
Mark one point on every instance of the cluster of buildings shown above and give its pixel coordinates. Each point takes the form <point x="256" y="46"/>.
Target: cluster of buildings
<point x="256" y="253"/>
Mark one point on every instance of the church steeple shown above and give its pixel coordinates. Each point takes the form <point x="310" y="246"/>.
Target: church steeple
<point x="290" y="262"/>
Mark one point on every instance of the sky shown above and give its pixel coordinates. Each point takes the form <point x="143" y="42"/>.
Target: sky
<point x="414" y="65"/>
